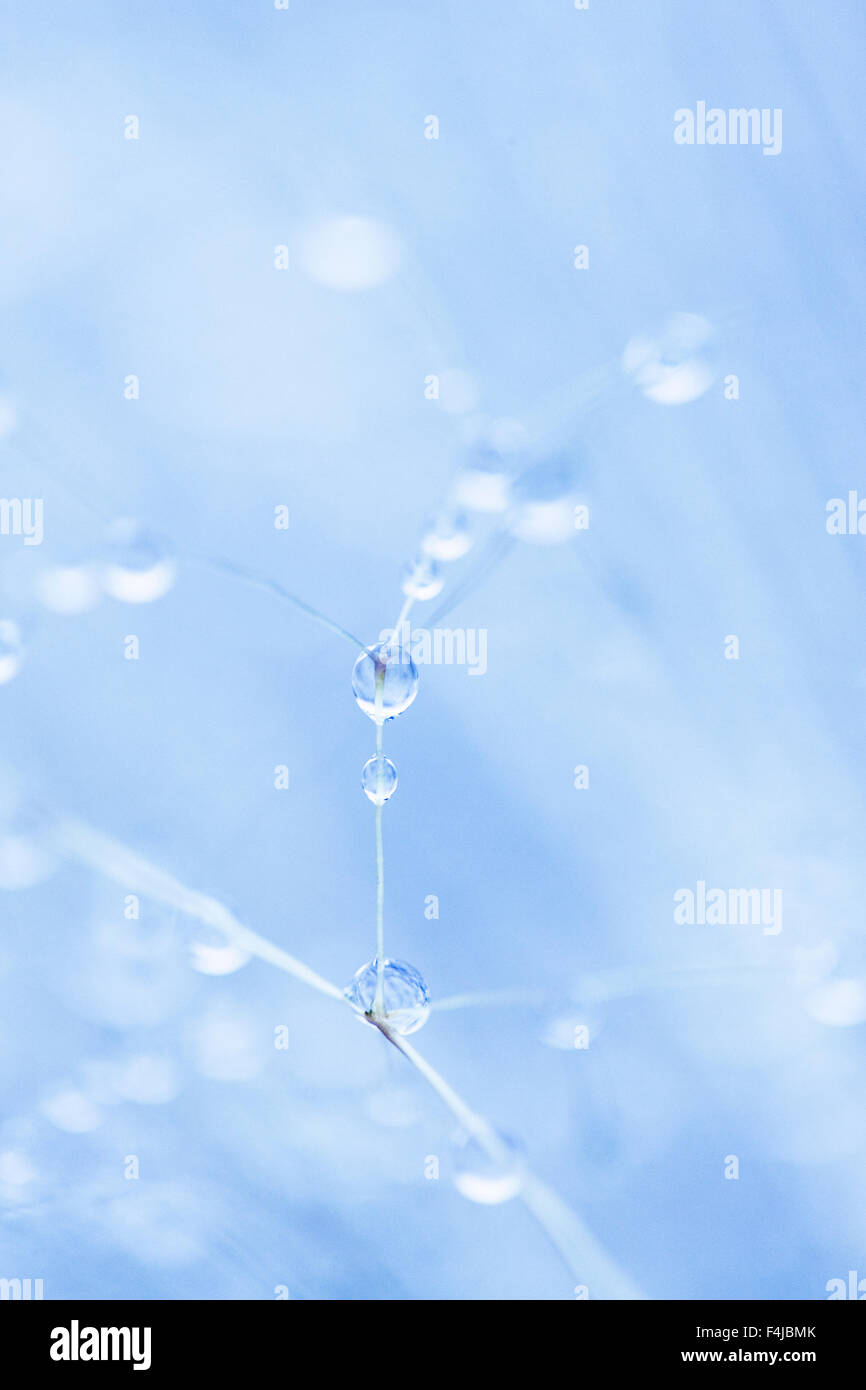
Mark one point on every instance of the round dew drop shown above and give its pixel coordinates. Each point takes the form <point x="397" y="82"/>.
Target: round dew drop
<point x="447" y="540"/>
<point x="406" y="997"/>
<point x="488" y="1169"/>
<point x="384" y="681"/>
<point x="379" y="779"/>
<point x="422" y="580"/>
<point x="137" y="566"/>
<point x="212" y="951"/>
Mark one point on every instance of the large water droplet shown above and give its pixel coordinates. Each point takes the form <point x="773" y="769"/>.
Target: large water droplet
<point x="488" y="1167"/>
<point x="138" y="567"/>
<point x="406" y="997"/>
<point x="379" y="779"/>
<point x="384" y="681"/>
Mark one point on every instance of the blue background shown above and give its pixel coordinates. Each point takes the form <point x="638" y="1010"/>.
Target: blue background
<point x="260" y="387"/>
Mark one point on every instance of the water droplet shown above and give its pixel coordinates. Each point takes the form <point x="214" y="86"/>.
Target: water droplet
<point x="11" y="650"/>
<point x="483" y="485"/>
<point x="488" y="1167"/>
<point x="138" y="567"/>
<point x="407" y="1000"/>
<point x="838" y="1003"/>
<point x="148" y="1080"/>
<point x="447" y="539"/>
<point x="379" y="779"/>
<point x="72" y="1111"/>
<point x="422" y="580"/>
<point x="350" y="253"/>
<point x="8" y="417"/>
<point x="212" y="951"/>
<point x="675" y="366"/>
<point x="544" y="523"/>
<point x="27" y="855"/>
<point x="390" y="668"/>
<point x="69" y="589"/>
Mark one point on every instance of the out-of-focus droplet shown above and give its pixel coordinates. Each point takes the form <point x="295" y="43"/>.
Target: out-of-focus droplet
<point x="544" y="523"/>
<point x="674" y="366"/>
<point x="11" y="650"/>
<point x="148" y="1080"/>
<point x="212" y="951"/>
<point x="350" y="253"/>
<point x="384" y="681"/>
<point x="379" y="779"/>
<point x="422" y="580"/>
<point x="8" y="417"/>
<point x="543" y="510"/>
<point x="19" y="1179"/>
<point x="138" y="567"/>
<point x="27" y="856"/>
<point x="69" y="589"/>
<point x="71" y="1110"/>
<point x="838" y="1003"/>
<point x="406" y="997"/>
<point x="448" y="539"/>
<point x="488" y="1169"/>
<point x="16" y="1169"/>
<point x="484" y="483"/>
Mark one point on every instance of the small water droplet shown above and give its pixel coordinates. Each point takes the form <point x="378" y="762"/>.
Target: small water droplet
<point x="11" y="650"/>
<point x="379" y="779"/>
<point x="212" y="951"/>
<point x="422" y="580"/>
<point x="407" y="999"/>
<point x="488" y="1167"/>
<point x="483" y="485"/>
<point x="675" y="365"/>
<point x="447" y="539"/>
<point x="138" y="567"/>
